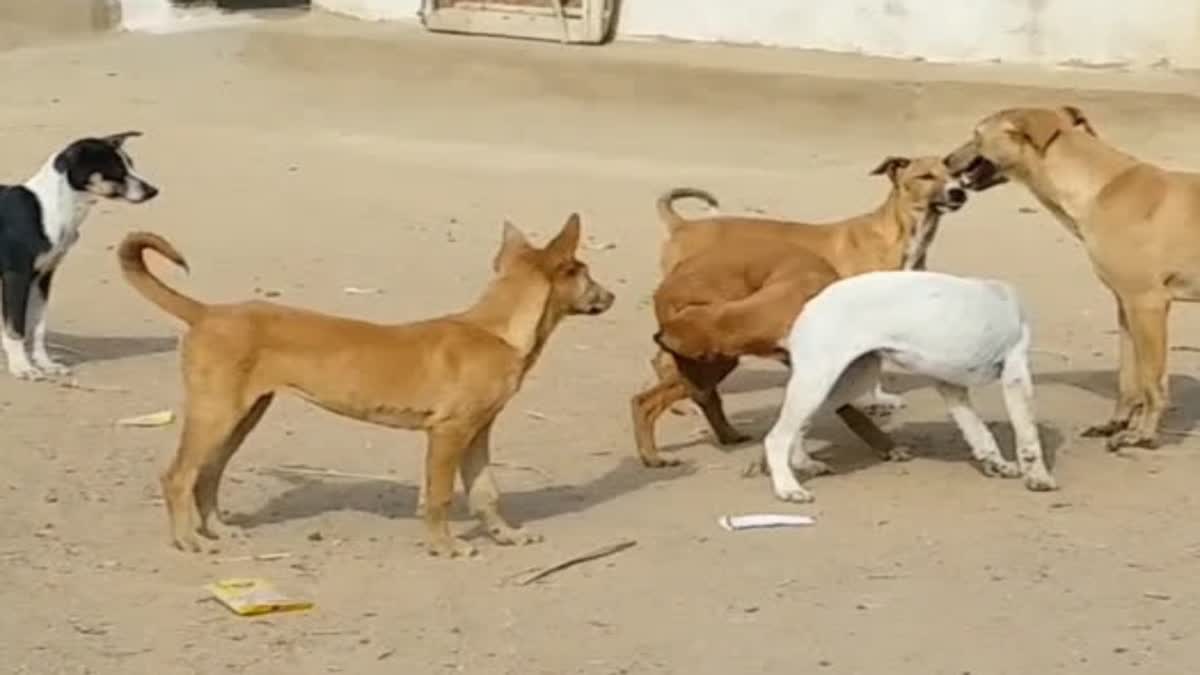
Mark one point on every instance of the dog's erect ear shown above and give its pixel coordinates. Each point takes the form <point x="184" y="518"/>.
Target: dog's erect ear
<point x="565" y="243"/>
<point x="117" y="140"/>
<point x="512" y="244"/>
<point x="1079" y="119"/>
<point x="890" y="166"/>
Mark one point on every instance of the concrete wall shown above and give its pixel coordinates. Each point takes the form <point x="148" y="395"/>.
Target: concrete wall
<point x="1096" y="32"/>
<point x="30" y="21"/>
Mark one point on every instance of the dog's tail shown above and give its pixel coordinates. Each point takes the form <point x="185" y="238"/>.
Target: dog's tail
<point x="133" y="266"/>
<point x="666" y="204"/>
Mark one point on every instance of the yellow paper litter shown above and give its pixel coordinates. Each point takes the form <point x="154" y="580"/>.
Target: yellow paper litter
<point x="249" y="597"/>
<point x="158" y="419"/>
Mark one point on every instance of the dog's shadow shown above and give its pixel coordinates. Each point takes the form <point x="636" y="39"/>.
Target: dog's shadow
<point x="941" y="440"/>
<point x="1183" y="391"/>
<point x="311" y="496"/>
<point x="79" y="349"/>
<point x="846" y="453"/>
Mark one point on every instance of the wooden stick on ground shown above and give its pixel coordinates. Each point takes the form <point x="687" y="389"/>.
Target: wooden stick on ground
<point x="330" y="473"/>
<point x="73" y="384"/>
<point x="571" y="562"/>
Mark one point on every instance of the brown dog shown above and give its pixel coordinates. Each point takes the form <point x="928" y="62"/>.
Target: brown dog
<point x="1139" y="223"/>
<point x="449" y="377"/>
<point x="733" y="286"/>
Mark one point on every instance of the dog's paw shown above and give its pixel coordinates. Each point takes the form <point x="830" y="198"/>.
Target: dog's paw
<point x="52" y="368"/>
<point x="1040" y="481"/>
<point x="756" y="468"/>
<point x="796" y="495"/>
<point x="27" y="372"/>
<point x="660" y="462"/>
<point x="732" y="437"/>
<point x="1103" y="430"/>
<point x="187" y="543"/>
<point x="900" y="453"/>
<point x="999" y="468"/>
<point x="1131" y="438"/>
<point x="451" y="547"/>
<point x="811" y="467"/>
<point x="514" y="536"/>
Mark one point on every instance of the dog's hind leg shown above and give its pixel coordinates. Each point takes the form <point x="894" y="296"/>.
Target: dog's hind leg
<point x="664" y="368"/>
<point x="811" y="382"/>
<point x="1128" y="394"/>
<point x="858" y="380"/>
<point x="702" y="379"/>
<point x="448" y="444"/>
<point x="1148" y="326"/>
<point x="208" y="482"/>
<point x="982" y="442"/>
<point x="17" y="287"/>
<point x="208" y="424"/>
<point x="646" y="407"/>
<point x="483" y="497"/>
<point x="1018" y="399"/>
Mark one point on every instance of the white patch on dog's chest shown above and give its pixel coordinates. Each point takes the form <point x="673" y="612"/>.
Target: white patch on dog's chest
<point x="63" y="209"/>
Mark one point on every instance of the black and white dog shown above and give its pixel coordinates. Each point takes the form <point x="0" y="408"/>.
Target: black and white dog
<point x="39" y="221"/>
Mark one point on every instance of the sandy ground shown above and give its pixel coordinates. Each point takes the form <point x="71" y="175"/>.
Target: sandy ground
<point x="305" y="156"/>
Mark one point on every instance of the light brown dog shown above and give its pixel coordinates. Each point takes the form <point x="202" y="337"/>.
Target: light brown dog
<point x="1139" y="223"/>
<point x="733" y="286"/>
<point x="449" y="377"/>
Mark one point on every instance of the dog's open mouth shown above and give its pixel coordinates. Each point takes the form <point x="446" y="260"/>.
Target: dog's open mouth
<point x="981" y="174"/>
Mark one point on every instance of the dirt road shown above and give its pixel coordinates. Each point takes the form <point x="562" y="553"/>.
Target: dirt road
<point x="302" y="157"/>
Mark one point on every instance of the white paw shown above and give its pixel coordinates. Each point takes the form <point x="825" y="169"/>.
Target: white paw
<point x="795" y="494"/>
<point x="1000" y="468"/>
<point x="810" y="467"/>
<point x="49" y="366"/>
<point x="26" y="371"/>
<point x="1040" y="481"/>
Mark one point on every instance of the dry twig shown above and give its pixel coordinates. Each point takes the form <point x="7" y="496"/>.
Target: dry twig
<point x="603" y="552"/>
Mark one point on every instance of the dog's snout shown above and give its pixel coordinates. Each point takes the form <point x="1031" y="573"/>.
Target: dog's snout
<point x="957" y="195"/>
<point x="149" y="192"/>
<point x="603" y="300"/>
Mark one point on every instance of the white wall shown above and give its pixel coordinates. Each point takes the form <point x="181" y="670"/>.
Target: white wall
<point x="1139" y="32"/>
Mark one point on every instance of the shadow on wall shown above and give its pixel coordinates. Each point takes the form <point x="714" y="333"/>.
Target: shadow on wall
<point x="235" y="5"/>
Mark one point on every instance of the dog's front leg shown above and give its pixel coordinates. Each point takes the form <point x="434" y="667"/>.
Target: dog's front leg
<point x="39" y="297"/>
<point x="447" y="447"/>
<point x="483" y="497"/>
<point x="16" y="292"/>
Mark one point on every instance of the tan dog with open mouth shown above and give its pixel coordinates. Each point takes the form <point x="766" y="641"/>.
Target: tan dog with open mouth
<point x="449" y="377"/>
<point x="733" y="286"/>
<point x="1139" y="223"/>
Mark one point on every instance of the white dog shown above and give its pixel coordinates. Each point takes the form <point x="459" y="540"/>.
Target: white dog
<point x="961" y="332"/>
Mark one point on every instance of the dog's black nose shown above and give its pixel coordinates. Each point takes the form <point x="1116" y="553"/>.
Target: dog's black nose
<point x="151" y="192"/>
<point x="957" y="195"/>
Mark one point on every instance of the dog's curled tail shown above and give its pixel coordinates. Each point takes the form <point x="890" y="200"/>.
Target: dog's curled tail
<point x="666" y="203"/>
<point x="133" y="266"/>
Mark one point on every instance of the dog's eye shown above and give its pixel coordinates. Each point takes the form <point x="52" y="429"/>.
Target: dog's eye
<point x="927" y="176"/>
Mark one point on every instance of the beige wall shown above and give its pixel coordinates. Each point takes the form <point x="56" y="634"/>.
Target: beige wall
<point x="27" y="21"/>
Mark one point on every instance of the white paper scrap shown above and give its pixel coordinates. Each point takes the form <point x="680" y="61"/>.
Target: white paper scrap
<point x="759" y="520"/>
